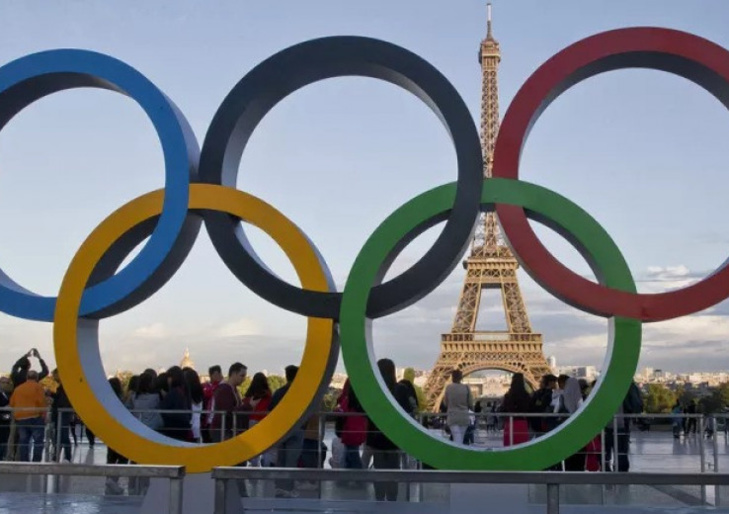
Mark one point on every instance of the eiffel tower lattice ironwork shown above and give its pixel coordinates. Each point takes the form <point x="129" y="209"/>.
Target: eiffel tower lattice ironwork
<point x="490" y="265"/>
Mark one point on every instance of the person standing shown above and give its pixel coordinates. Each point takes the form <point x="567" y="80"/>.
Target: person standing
<point x="257" y="399"/>
<point x="690" y="419"/>
<point x="22" y="367"/>
<point x="288" y="451"/>
<point x="216" y="377"/>
<point x="112" y="486"/>
<point x="176" y="407"/>
<point x="6" y="389"/>
<point x="676" y="420"/>
<point x="571" y="400"/>
<point x="620" y="460"/>
<point x="29" y="404"/>
<point x="351" y="427"/>
<point x="61" y="413"/>
<point x="385" y="454"/>
<point x="541" y="402"/>
<point x="458" y="401"/>
<point x="227" y="403"/>
<point x="197" y="397"/>
<point x="516" y="401"/>
<point x="313" y="451"/>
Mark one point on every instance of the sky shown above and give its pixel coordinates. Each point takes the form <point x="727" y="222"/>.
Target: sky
<point x="644" y="152"/>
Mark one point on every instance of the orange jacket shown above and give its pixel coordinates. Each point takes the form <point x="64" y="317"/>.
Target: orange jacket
<point x="30" y="398"/>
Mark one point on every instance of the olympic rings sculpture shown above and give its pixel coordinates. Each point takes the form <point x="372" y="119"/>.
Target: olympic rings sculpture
<point x="200" y="188"/>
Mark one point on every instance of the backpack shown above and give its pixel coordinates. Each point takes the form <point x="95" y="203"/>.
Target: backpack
<point x="633" y="403"/>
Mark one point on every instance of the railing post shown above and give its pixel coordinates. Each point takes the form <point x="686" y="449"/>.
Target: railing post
<point x="319" y="441"/>
<point x="602" y="450"/>
<point x="221" y="495"/>
<point x="222" y="427"/>
<point x="176" y="495"/>
<point x="715" y="448"/>
<point x="59" y="424"/>
<point x="552" y="498"/>
<point x="702" y="454"/>
<point x="614" y="457"/>
<point x="511" y="430"/>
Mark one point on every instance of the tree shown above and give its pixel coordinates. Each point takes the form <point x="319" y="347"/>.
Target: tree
<point x="244" y="386"/>
<point x="421" y="397"/>
<point x="330" y="399"/>
<point x="124" y="377"/>
<point x="409" y="375"/>
<point x="659" y="399"/>
<point x="712" y="403"/>
<point x="723" y="391"/>
<point x="276" y="382"/>
<point x="685" y="394"/>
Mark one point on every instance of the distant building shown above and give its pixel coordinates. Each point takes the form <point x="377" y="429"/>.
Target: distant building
<point x="552" y="361"/>
<point x="186" y="362"/>
<point x="586" y="372"/>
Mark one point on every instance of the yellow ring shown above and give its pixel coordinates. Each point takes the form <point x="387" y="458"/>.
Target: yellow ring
<point x="77" y="364"/>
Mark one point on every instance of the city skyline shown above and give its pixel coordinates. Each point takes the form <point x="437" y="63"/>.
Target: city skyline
<point x="354" y="139"/>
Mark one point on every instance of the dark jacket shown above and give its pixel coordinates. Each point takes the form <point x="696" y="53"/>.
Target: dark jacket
<point x="375" y="438"/>
<point x="226" y="399"/>
<point x="278" y="395"/>
<point x="4" y="402"/>
<point x="541" y="401"/>
<point x="61" y="401"/>
<point x="20" y="374"/>
<point x="176" y="424"/>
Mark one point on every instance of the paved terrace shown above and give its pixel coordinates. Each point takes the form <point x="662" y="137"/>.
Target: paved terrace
<point x="650" y="452"/>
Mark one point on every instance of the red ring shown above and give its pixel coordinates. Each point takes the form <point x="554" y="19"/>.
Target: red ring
<point x="683" y="54"/>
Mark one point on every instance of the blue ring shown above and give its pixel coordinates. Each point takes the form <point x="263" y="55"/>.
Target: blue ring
<point x="34" y="76"/>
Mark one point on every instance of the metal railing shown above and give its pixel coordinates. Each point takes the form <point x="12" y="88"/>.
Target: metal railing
<point x="705" y="451"/>
<point x="175" y="474"/>
<point x="551" y="480"/>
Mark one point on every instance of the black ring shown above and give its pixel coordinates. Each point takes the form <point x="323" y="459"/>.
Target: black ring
<point x="297" y="66"/>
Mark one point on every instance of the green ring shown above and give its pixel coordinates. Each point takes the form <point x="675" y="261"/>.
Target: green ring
<point x="370" y="266"/>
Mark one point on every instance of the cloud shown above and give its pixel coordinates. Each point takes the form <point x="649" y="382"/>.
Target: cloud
<point x="238" y="328"/>
<point x="658" y="279"/>
<point x="668" y="272"/>
<point x="410" y="337"/>
<point x="154" y="331"/>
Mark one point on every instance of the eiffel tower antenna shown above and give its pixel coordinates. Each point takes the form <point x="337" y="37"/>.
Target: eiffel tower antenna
<point x="489" y="35"/>
<point x="490" y="265"/>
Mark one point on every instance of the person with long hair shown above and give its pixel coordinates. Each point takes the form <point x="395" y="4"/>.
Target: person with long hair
<point x="145" y="402"/>
<point x="386" y="454"/>
<point x="131" y="390"/>
<point x="350" y="426"/>
<point x="177" y="419"/>
<point x="195" y="390"/>
<point x="258" y="400"/>
<point x="516" y="401"/>
<point x="161" y="385"/>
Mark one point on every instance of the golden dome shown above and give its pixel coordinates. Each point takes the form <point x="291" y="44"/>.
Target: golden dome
<point x="186" y="362"/>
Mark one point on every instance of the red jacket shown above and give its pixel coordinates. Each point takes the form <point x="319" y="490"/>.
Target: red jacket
<point x="260" y="405"/>
<point x="209" y="389"/>
<point x="227" y="400"/>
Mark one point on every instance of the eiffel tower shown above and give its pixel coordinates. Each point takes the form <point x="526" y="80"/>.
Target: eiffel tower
<point x="490" y="265"/>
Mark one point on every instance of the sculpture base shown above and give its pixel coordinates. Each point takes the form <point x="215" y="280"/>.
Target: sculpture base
<point x="198" y="496"/>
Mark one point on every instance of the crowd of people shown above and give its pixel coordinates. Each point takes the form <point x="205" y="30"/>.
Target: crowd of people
<point x="557" y="398"/>
<point x="174" y="403"/>
<point x="177" y="404"/>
